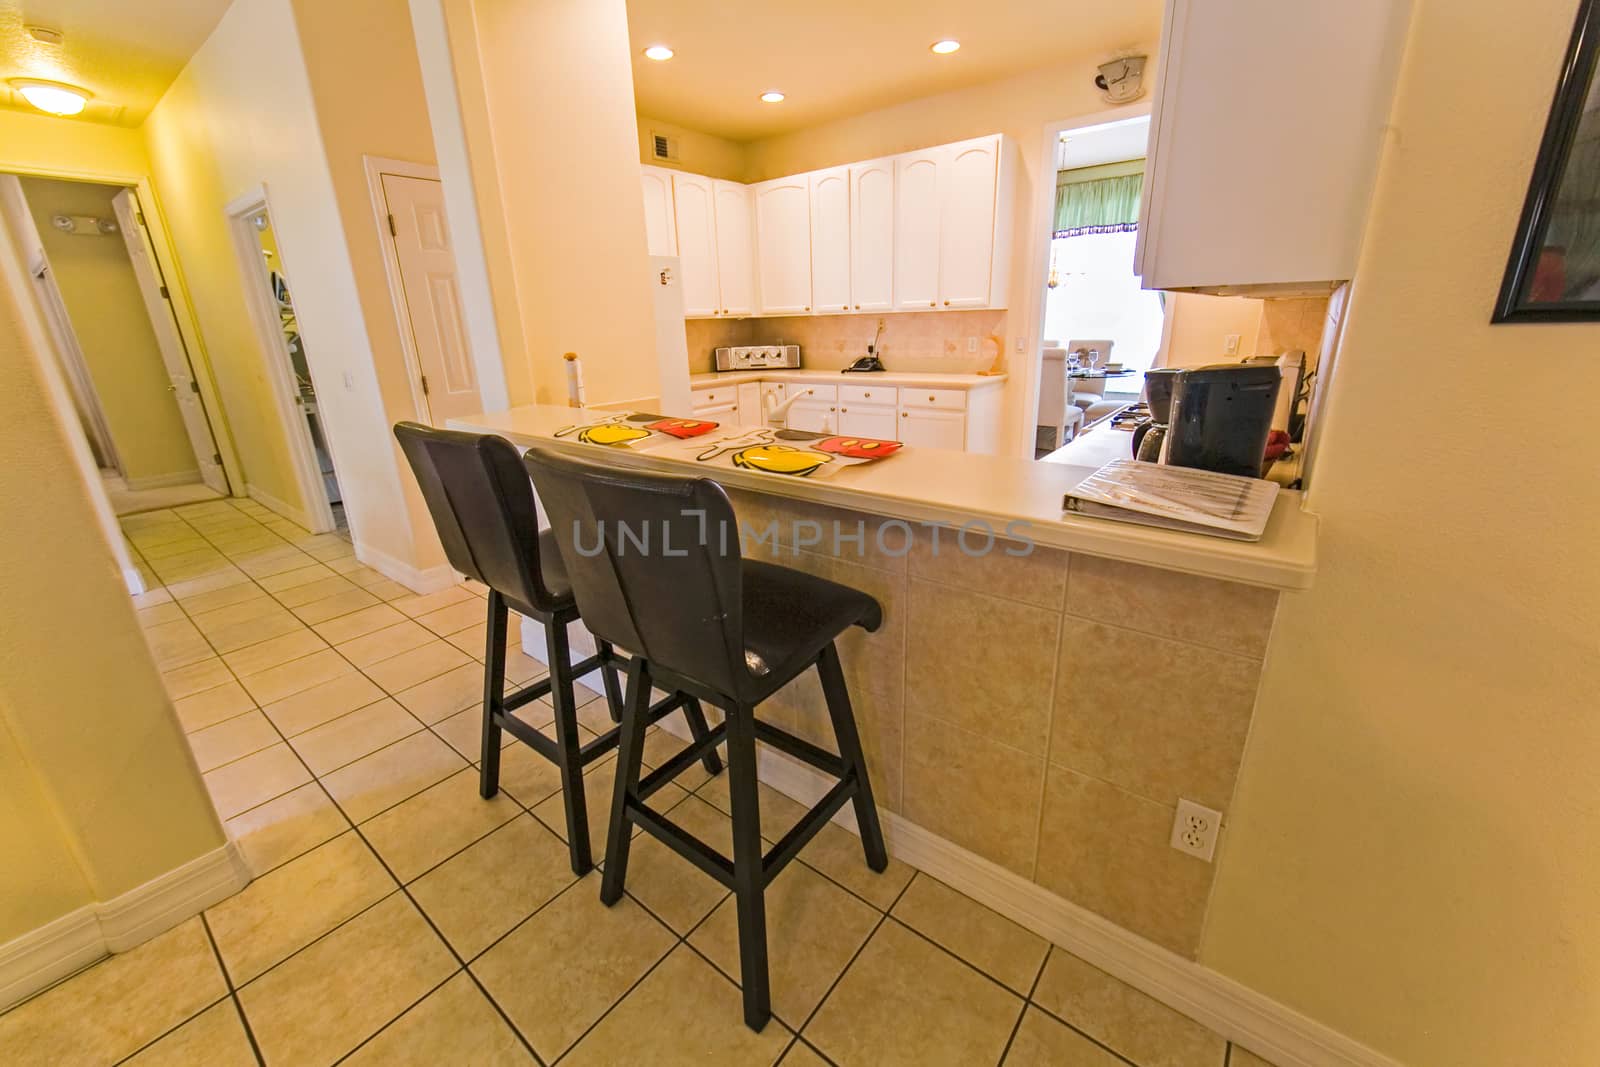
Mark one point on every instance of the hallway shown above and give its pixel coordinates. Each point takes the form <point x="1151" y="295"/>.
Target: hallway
<point x="396" y="917"/>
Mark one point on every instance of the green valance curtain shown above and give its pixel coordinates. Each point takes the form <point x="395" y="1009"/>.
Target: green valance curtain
<point x="1103" y="199"/>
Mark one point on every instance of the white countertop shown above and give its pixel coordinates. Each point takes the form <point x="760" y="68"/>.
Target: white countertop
<point x="933" y="485"/>
<point x="801" y="374"/>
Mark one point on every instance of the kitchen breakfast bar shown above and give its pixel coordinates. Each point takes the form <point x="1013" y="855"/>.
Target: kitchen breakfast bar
<point x="1045" y="687"/>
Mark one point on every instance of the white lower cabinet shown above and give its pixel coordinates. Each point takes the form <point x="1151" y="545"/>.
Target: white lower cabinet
<point x="962" y="420"/>
<point x="930" y="428"/>
<point x="868" y="420"/>
<point x="717" y="404"/>
<point x="750" y="403"/>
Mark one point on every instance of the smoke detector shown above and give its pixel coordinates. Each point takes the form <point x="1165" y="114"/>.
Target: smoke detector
<point x="1121" y="81"/>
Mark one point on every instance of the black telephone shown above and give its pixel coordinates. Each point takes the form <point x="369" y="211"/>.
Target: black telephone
<point x="868" y="362"/>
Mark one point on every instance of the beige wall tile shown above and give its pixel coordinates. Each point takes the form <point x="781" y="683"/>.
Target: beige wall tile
<point x="1107" y="850"/>
<point x="982" y="663"/>
<point x="1224" y="615"/>
<point x="905" y="1001"/>
<point x="986" y="939"/>
<point x="853" y="536"/>
<point x="973" y="562"/>
<point x="337" y="992"/>
<point x="1144" y="1030"/>
<point x="980" y="794"/>
<point x="1156" y="717"/>
<point x="455" y="1024"/>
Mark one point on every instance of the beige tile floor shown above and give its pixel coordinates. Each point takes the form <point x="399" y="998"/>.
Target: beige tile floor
<point x="398" y="918"/>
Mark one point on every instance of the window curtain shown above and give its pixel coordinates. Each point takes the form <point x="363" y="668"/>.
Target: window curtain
<point x="1103" y="199"/>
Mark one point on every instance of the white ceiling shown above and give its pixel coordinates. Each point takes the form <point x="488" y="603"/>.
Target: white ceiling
<point x="125" y="52"/>
<point x="1112" y="142"/>
<point x="842" y="57"/>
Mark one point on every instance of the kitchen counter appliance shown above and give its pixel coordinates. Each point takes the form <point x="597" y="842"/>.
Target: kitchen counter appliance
<point x="758" y="357"/>
<point x="1221" y="415"/>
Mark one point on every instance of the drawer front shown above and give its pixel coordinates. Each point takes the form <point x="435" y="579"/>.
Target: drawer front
<point x="867" y="394"/>
<point x="720" y="412"/>
<point x="722" y="394"/>
<point x="942" y="399"/>
<point x="829" y="393"/>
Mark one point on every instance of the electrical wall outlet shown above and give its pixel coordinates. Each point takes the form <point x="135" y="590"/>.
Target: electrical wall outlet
<point x="972" y="344"/>
<point x="1195" y="829"/>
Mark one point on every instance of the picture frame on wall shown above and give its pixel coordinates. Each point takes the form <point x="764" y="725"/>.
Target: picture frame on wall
<point x="1554" y="271"/>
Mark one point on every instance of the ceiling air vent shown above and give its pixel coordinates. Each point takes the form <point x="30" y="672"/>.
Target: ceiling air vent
<point x="664" y="147"/>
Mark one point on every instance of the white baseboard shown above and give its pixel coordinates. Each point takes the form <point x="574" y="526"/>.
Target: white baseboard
<point x="298" y="516"/>
<point x="133" y="580"/>
<point x="44" y="956"/>
<point x="413" y="578"/>
<point x="1280" y="1034"/>
<point x="162" y="481"/>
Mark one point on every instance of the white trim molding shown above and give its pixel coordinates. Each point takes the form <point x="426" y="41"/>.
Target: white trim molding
<point x="413" y="578"/>
<point x="1270" y="1029"/>
<point x="298" y="516"/>
<point x="163" y="481"/>
<point x="44" y="956"/>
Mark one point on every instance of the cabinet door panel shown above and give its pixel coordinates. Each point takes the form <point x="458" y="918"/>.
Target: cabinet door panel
<point x="869" y="420"/>
<point x="814" y="416"/>
<point x="830" y="240"/>
<point x="697" y="244"/>
<point x="783" y="245"/>
<point x="660" y="225"/>
<point x="735" y="248"/>
<point x="917" y="217"/>
<point x="966" y="237"/>
<point x="934" y="429"/>
<point x="872" y="236"/>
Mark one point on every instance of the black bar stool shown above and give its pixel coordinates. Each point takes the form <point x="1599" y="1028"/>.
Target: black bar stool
<point x="655" y="566"/>
<point x="482" y="505"/>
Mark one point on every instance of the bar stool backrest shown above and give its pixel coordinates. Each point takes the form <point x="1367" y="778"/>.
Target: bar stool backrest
<point x="654" y="564"/>
<point x="482" y="505"/>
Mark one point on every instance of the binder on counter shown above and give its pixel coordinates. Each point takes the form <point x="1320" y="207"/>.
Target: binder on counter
<point x="1176" y="498"/>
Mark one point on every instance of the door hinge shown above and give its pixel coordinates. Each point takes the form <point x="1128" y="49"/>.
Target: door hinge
<point x="165" y="295"/>
<point x="194" y="386"/>
<point x="216" y="457"/>
<point x="138" y="216"/>
<point x="424" y="378"/>
<point x="394" y="231"/>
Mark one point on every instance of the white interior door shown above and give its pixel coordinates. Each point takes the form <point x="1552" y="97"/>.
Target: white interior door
<point x="432" y="294"/>
<point x="180" y="375"/>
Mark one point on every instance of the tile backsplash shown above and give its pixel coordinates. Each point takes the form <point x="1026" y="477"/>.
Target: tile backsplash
<point x="920" y="342"/>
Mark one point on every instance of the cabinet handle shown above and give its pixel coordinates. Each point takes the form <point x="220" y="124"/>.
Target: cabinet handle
<point x="832" y="408"/>
<point x="905" y="414"/>
<point x="947" y="303"/>
<point x="808" y="307"/>
<point x="933" y="303"/>
<point x="866" y="396"/>
<point x="930" y="400"/>
<point x="858" y="307"/>
<point x="844" y="411"/>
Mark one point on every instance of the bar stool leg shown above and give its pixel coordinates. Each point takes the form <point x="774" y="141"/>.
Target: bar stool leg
<point x="698" y="730"/>
<point x="494" y="696"/>
<point x="837" y="695"/>
<point x="570" y="762"/>
<point x="608" y="675"/>
<point x="749" y="883"/>
<point x="630" y="755"/>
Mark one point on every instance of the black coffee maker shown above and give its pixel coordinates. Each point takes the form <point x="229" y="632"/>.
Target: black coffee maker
<point x="1147" y="436"/>
<point x="1221" y="416"/>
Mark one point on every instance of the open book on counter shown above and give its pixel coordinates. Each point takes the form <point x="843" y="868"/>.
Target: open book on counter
<point x="1176" y="498"/>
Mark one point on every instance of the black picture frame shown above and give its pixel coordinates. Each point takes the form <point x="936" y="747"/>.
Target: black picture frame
<point x="1577" y="301"/>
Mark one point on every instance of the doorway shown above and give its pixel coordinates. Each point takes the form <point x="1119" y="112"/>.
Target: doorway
<point x="272" y="305"/>
<point x="114" y="337"/>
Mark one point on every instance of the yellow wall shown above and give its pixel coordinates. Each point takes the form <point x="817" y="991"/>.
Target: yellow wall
<point x="33" y="142"/>
<point x="243" y="115"/>
<point x="98" y="791"/>
<point x="698" y="153"/>
<point x="1413" y="855"/>
<point x="1201" y="324"/>
<point x="574" y="252"/>
<point x="98" y="286"/>
<point x="1020" y="107"/>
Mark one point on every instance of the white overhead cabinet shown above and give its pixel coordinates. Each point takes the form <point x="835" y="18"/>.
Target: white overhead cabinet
<point x="916" y="230"/>
<point x="952" y="217"/>
<point x="783" y="245"/>
<point x="735" y="248"/>
<point x="660" y="219"/>
<point x="1319" y="82"/>
<point x="696" y="218"/>
<point x="872" y="235"/>
<point x="830" y="240"/>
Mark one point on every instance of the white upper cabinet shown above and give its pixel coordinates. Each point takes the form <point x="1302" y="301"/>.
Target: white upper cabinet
<point x="735" y="248"/>
<point x="697" y="244"/>
<point x="660" y="220"/>
<point x="783" y="245"/>
<point x="917" y="215"/>
<point x="830" y="240"/>
<point x="871" y="236"/>
<point x="968" y="173"/>
<point x="1319" y="82"/>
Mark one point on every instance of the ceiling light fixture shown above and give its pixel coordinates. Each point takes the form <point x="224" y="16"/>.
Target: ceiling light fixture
<point x="658" y="52"/>
<point x="51" y="97"/>
<point x="944" y="48"/>
<point x="772" y="96"/>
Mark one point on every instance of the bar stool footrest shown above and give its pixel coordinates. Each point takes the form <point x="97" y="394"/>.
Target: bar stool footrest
<point x="801" y="749"/>
<point x="675" y="766"/>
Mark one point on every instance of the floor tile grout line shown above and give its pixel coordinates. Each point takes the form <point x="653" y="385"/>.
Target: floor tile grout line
<point x="1027" y="1001"/>
<point x="1082" y="1032"/>
<point x="403" y="1011"/>
<point x="233" y="994"/>
<point x="959" y="958"/>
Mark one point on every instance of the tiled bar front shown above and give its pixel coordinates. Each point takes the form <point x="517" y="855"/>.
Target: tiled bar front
<point x="1045" y="711"/>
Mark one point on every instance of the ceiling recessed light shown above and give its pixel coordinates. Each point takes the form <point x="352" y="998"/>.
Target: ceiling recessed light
<point x="51" y="97"/>
<point x="658" y="52"/>
<point x="944" y="48"/>
<point x="772" y="96"/>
